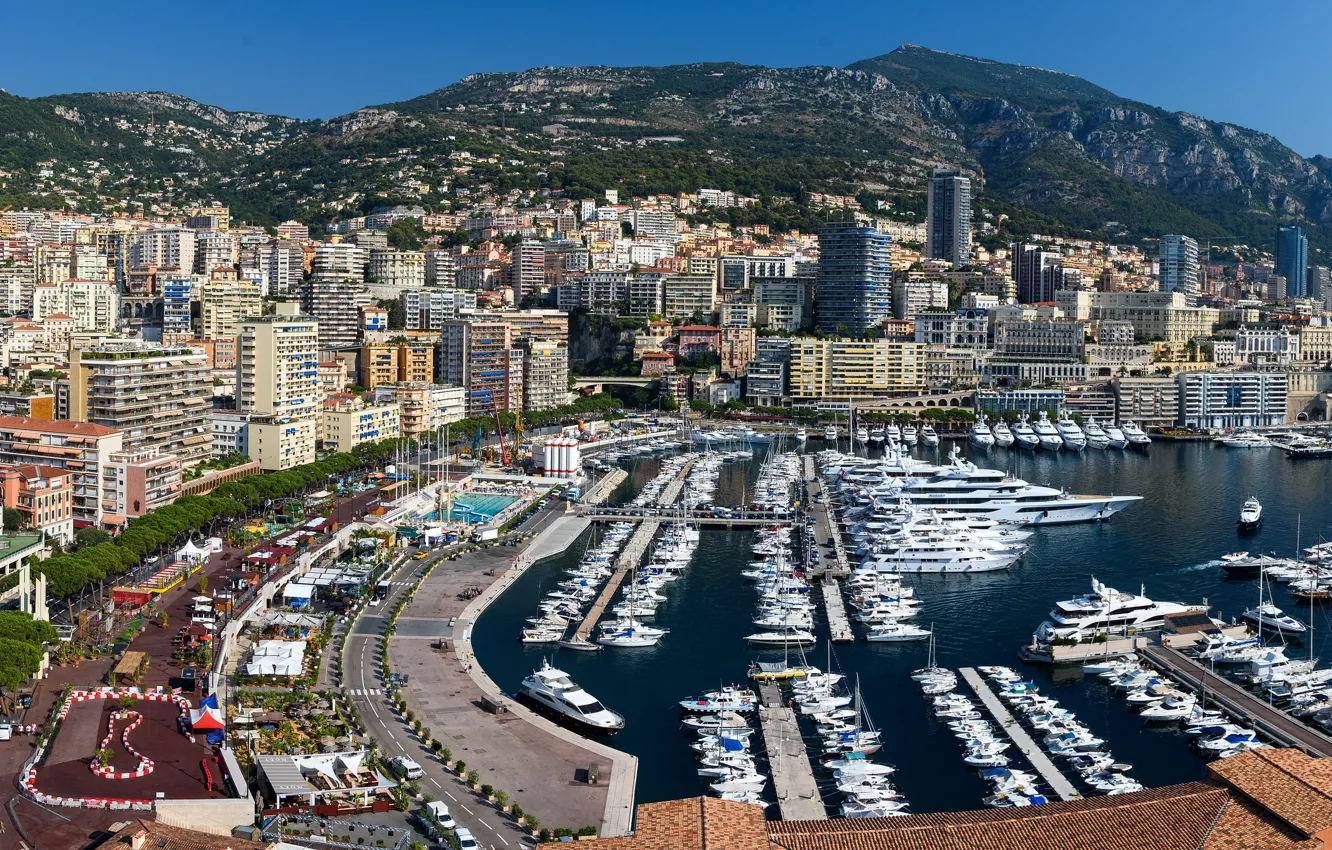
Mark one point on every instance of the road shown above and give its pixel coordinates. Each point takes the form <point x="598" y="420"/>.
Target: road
<point x="364" y="687"/>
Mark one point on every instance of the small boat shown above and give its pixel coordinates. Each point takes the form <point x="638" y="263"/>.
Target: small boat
<point x="928" y="436"/>
<point x="1244" y="564"/>
<point x="1251" y="515"/>
<point x="790" y="637"/>
<point x="876" y="434"/>
<point x="580" y="645"/>
<point x="1269" y="615"/>
<point x="729" y="698"/>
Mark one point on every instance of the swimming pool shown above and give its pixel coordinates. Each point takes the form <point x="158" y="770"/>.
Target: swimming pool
<point x="476" y="507"/>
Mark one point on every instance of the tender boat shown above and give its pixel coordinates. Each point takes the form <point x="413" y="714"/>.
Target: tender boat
<point x="1251" y="515"/>
<point x="550" y="691"/>
<point x="980" y="433"/>
<point x="1135" y="435"/>
<point x="1047" y="434"/>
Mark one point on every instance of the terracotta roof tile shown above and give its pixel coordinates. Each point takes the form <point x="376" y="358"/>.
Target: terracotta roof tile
<point x="56" y="426"/>
<point x="1287" y="783"/>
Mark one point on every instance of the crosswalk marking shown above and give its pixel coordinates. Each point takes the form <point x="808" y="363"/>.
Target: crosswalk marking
<point x="366" y="692"/>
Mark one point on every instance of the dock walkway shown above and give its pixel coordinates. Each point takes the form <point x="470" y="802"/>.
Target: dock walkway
<point x="825" y="527"/>
<point x="606" y="485"/>
<point x="792" y="774"/>
<point x="1029" y="749"/>
<point x="839" y="627"/>
<point x="632" y="554"/>
<point x="1243" y="706"/>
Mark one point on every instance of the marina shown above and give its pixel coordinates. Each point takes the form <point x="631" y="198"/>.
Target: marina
<point x="1171" y="541"/>
<point x="1034" y="755"/>
<point x="792" y="776"/>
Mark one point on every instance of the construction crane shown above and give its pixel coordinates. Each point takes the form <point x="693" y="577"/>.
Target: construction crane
<point x="499" y="429"/>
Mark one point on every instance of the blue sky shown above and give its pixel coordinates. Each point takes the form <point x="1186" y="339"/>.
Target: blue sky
<point x="1258" y="66"/>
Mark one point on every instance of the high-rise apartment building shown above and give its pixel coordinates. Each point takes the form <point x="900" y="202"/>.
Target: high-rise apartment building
<point x="1037" y="274"/>
<point x="395" y="270"/>
<point x="227" y="300"/>
<point x="178" y="291"/>
<point x="394" y="362"/>
<point x="948" y="217"/>
<point x="277" y="382"/>
<point x="441" y="268"/>
<point x="341" y="261"/>
<point x="545" y="375"/>
<point x="1292" y="260"/>
<point x="81" y="448"/>
<point x="284" y="266"/>
<point x="482" y="357"/>
<point x="157" y="396"/>
<point x="527" y="270"/>
<point x="94" y="305"/>
<point x="1179" y="266"/>
<point x="429" y="309"/>
<point x="335" y="303"/>
<point x="213" y="249"/>
<point x="854" y="288"/>
<point x="838" y="369"/>
<point x="165" y="246"/>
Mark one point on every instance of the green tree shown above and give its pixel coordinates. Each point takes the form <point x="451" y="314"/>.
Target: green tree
<point x="90" y="536"/>
<point x="13" y="520"/>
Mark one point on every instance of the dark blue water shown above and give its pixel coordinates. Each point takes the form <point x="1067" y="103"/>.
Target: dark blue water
<point x="1169" y="543"/>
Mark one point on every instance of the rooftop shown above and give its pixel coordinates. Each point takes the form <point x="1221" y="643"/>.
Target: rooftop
<point x="55" y="426"/>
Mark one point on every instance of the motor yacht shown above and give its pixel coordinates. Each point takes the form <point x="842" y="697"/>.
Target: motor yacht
<point x="1047" y="434"/>
<point x="896" y="633"/>
<point x="862" y="435"/>
<point x="1095" y="434"/>
<point x="1115" y="436"/>
<point x="892" y="432"/>
<point x="801" y="435"/>
<point x="1023" y="435"/>
<point x="785" y="637"/>
<point x="1251" y="515"/>
<point x="928" y="436"/>
<point x="1244" y="440"/>
<point x="1003" y="436"/>
<point x="981" y="437"/>
<point x="1108" y="611"/>
<point x="909" y="435"/>
<point x="550" y="691"/>
<point x="1270" y="616"/>
<point x="876" y="434"/>
<point x="1135" y="435"/>
<point x="1243" y="564"/>
<point x="1071" y="434"/>
<point x="729" y="698"/>
<point x="830" y="433"/>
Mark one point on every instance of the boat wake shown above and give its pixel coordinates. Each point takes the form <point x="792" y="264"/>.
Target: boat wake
<point x="1213" y="564"/>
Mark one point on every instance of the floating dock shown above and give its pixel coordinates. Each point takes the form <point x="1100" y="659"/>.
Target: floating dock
<point x="839" y="627"/>
<point x="792" y="774"/>
<point x="632" y="554"/>
<point x="825" y="528"/>
<point x="1241" y="705"/>
<point x="1029" y="749"/>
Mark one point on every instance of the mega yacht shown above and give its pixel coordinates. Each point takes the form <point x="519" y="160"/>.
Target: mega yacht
<point x="928" y="436"/>
<point x="909" y="435"/>
<point x="961" y="487"/>
<point x="830" y="433"/>
<point x="551" y="692"/>
<point x="1109" y="611"/>
<point x="1244" y="440"/>
<point x="1003" y="437"/>
<point x="1047" y="434"/>
<point x="862" y="436"/>
<point x="1023" y="436"/>
<point x="876" y="434"/>
<point x="1135" y="435"/>
<point x="1071" y="434"/>
<point x="1251" y="515"/>
<point x="980" y="433"/>
<point x="1095" y="434"/>
<point x="1116" y="437"/>
<point x="892" y="432"/>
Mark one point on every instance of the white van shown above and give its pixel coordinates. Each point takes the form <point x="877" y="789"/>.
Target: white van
<point x="436" y="814"/>
<point x="407" y="769"/>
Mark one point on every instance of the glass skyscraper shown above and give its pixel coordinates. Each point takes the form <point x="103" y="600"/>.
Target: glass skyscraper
<point x="854" y="289"/>
<point x="1292" y="260"/>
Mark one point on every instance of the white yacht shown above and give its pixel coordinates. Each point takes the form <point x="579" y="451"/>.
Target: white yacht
<point x="1023" y="436"/>
<point x="928" y="436"/>
<point x="892" y="432"/>
<point x="1267" y="614"/>
<point x="1095" y="434"/>
<point x="801" y="435"/>
<point x="1071" y="434"/>
<point x="1003" y="437"/>
<point x="830" y="433"/>
<point x="876" y="434"/>
<point x="909" y="435"/>
<point x="1244" y="440"/>
<point x="1047" y="435"/>
<point x="980" y="433"/>
<point x="1135" y="435"/>
<point x="896" y="633"/>
<point x="550" y="691"/>
<point x="1251" y="515"/>
<point x="1106" y="610"/>
<point x="1116" y="437"/>
<point x="862" y="436"/>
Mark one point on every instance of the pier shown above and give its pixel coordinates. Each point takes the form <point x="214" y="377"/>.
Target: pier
<point x="792" y="774"/>
<point x="693" y="516"/>
<point x="825" y="527"/>
<point x="1241" y="705"/>
<point x="632" y="554"/>
<point x="839" y="627"/>
<point x="604" y="486"/>
<point x="1029" y="749"/>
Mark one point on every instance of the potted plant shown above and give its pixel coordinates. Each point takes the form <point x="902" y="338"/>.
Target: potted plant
<point x="473" y="778"/>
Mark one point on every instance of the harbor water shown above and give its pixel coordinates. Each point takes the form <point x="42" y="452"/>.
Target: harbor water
<point x="1169" y="543"/>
